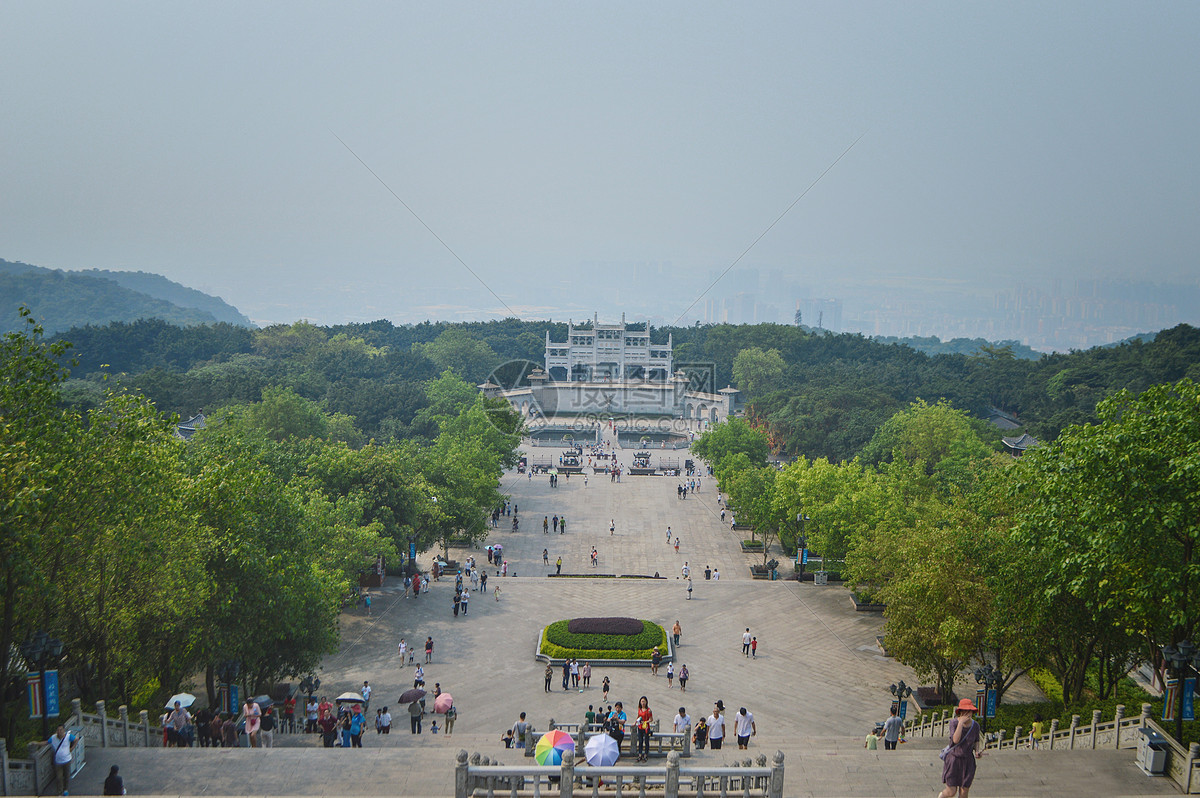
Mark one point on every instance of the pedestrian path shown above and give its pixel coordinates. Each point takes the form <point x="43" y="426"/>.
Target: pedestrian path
<point x="817" y="684"/>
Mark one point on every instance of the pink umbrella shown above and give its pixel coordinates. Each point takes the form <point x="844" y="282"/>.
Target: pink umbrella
<point x="443" y="702"/>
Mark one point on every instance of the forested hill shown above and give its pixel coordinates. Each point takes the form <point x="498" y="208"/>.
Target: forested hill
<point x="62" y="300"/>
<point x="819" y="395"/>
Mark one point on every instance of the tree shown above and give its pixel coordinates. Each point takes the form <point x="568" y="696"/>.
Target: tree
<point x="752" y="492"/>
<point x="731" y="437"/>
<point x="460" y="352"/>
<point x="758" y="370"/>
<point x="938" y="435"/>
<point x="1112" y="506"/>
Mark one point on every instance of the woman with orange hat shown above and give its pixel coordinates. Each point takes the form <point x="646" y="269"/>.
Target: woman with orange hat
<point x="958" y="770"/>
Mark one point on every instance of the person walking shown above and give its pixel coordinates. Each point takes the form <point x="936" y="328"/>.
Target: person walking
<point x="612" y="527"/>
<point x="451" y="716"/>
<point x="463" y="601"/>
<point x="716" y="726"/>
<point x="891" y="730"/>
<point x="753" y="648"/>
<point x="670" y="675"/>
<point x="743" y="727"/>
<point x="575" y="673"/>
<point x="545" y="556"/>
<point x="746" y="643"/>
<point x="61" y="744"/>
<point x="604" y="686"/>
<point x="429" y="649"/>
<point x="266" y="729"/>
<point x="958" y="766"/>
<point x="669" y="536"/>
<point x="683" y="677"/>
<point x="415" y="713"/>
<point x="558" y="566"/>
<point x="585" y="673"/>
<point x="546" y="525"/>
<point x="549" y="676"/>
<point x="655" y="661"/>
<point x="676" y="545"/>
<point x="682" y="720"/>
<point x="689" y="583"/>
<point x="644" y="718"/>
<point x="566" y="674"/>
<point x="676" y="630"/>
<point x="253" y="713"/>
<point x="519" y="730"/>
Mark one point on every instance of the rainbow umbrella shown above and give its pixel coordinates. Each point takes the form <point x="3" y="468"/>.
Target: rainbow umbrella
<point x="551" y="746"/>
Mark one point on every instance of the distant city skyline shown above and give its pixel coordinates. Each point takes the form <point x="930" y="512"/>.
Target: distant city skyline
<point x="935" y="167"/>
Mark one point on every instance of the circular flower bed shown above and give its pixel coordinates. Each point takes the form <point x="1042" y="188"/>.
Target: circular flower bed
<point x="602" y="638"/>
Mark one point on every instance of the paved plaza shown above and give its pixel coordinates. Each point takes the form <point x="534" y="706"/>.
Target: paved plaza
<point x="818" y="683"/>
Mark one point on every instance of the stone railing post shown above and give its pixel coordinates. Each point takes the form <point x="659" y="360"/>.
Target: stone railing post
<point x="123" y="711"/>
<point x="144" y="718"/>
<point x="775" y="787"/>
<point x="671" y="787"/>
<point x="1095" y="726"/>
<point x="1192" y="756"/>
<point x="460" y="774"/>
<point x="687" y="740"/>
<point x="103" y="713"/>
<point x="1000" y="740"/>
<point x="1053" y="731"/>
<point x="1145" y="715"/>
<point x="1074" y="730"/>
<point x="1117" y="725"/>
<point x="37" y="768"/>
<point x="944" y="713"/>
<point x="529" y="741"/>
<point x="567" y="785"/>
<point x="76" y="712"/>
<point x="1017" y="737"/>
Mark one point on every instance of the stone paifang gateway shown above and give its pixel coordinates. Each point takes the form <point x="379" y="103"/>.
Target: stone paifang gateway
<point x="614" y="370"/>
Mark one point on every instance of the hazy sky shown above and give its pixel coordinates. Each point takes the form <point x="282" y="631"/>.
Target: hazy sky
<point x="197" y="140"/>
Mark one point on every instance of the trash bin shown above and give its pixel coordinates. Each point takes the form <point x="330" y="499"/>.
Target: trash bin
<point x="820" y="578"/>
<point x="1152" y="752"/>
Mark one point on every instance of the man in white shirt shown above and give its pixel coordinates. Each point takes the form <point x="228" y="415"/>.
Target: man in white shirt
<point x="716" y="727"/>
<point x="366" y="692"/>
<point x="310" y="714"/>
<point x="682" y="720"/>
<point x="61" y="744"/>
<point x="746" y="642"/>
<point x="743" y="727"/>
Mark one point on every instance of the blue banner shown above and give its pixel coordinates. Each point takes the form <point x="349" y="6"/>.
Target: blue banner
<point x="903" y="709"/>
<point x="412" y="551"/>
<point x="991" y="704"/>
<point x="1189" y="688"/>
<point x="51" y="689"/>
<point x="804" y="556"/>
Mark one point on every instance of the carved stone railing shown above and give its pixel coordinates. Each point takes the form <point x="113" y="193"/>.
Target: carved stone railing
<point x="477" y="776"/>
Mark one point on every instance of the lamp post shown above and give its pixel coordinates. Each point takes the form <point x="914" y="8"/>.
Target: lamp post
<point x="228" y="672"/>
<point x="40" y="650"/>
<point x="1179" y="657"/>
<point x="990" y="679"/>
<point x="801" y="544"/>
<point x="900" y="691"/>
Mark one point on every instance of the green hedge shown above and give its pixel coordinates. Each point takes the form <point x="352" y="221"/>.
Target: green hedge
<point x="558" y="643"/>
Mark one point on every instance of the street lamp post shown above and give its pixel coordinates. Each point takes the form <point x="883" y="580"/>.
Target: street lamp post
<point x="40" y="650"/>
<point x="801" y="544"/>
<point x="1179" y="657"/>
<point x="900" y="691"/>
<point x="990" y="679"/>
<point x="228" y="672"/>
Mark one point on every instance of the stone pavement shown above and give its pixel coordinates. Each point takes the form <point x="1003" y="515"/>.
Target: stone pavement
<point x="818" y="684"/>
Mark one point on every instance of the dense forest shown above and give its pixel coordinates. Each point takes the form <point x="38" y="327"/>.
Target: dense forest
<point x="814" y="394"/>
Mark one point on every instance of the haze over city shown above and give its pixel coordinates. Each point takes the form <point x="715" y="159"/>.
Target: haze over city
<point x="1012" y="171"/>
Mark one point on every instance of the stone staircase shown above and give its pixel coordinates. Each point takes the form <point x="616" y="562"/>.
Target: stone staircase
<point x="417" y="766"/>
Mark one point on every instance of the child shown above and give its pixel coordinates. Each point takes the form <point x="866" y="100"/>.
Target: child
<point x="1035" y="733"/>
<point x="700" y="735"/>
<point x="433" y="728"/>
<point x="872" y="742"/>
<point x="496" y="593"/>
<point x="753" y="647"/>
<point x="507" y="738"/>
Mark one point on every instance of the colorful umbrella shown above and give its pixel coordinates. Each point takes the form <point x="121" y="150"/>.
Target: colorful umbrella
<point x="601" y="751"/>
<point x="443" y="702"/>
<point x="551" y="746"/>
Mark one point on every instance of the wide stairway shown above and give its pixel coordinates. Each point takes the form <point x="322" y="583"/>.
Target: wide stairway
<point x="423" y="766"/>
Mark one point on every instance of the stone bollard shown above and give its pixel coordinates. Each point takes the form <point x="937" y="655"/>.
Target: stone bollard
<point x="123" y="710"/>
<point x="1017" y="737"/>
<point x="1145" y="715"/>
<point x="1000" y="740"/>
<point x="1074" y="730"/>
<point x="567" y="785"/>
<point x="144" y="717"/>
<point x="671" y="787"/>
<point x="687" y="740"/>
<point x="1117" y="725"/>
<point x="1095" y="726"/>
<point x="1053" y="731"/>
<point x="460" y="775"/>
<point x="775" y="788"/>
<point x="103" y="713"/>
<point x="945" y="712"/>
<point x="1193" y="755"/>
<point x="76" y="718"/>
